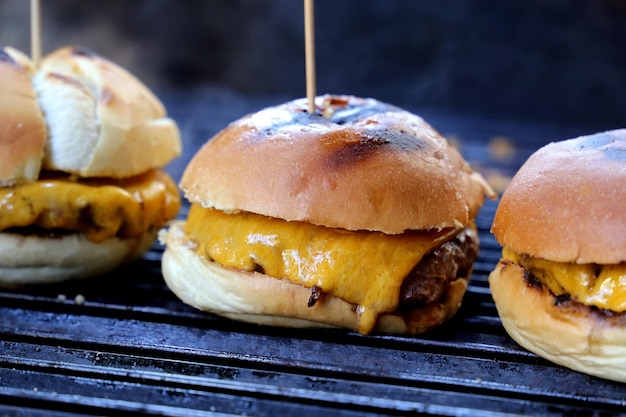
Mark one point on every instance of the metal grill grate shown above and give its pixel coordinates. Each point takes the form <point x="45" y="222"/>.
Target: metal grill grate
<point x="124" y="345"/>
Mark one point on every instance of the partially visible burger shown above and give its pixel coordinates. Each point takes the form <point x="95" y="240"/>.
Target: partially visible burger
<point x="359" y="216"/>
<point x="82" y="147"/>
<point x="560" y="287"/>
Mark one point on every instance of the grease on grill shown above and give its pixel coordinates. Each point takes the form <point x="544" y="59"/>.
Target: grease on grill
<point x="501" y="148"/>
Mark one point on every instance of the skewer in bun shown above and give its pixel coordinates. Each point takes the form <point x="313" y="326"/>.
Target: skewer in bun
<point x="359" y="215"/>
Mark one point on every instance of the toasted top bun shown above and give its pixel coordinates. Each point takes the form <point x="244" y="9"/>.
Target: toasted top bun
<point x="22" y="131"/>
<point x="102" y="121"/>
<point x="566" y="203"/>
<point x="347" y="166"/>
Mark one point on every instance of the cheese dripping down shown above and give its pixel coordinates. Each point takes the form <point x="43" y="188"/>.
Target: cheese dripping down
<point x="101" y="208"/>
<point x="363" y="268"/>
<point x="602" y="286"/>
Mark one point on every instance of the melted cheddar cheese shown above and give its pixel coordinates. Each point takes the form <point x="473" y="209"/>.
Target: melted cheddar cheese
<point x="362" y="268"/>
<point x="603" y="286"/>
<point x="99" y="208"/>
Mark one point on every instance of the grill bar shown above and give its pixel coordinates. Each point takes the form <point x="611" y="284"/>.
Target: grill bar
<point x="107" y="355"/>
<point x="131" y="347"/>
<point x="402" y="386"/>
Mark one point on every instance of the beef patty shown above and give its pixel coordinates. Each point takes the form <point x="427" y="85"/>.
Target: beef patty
<point x="427" y="282"/>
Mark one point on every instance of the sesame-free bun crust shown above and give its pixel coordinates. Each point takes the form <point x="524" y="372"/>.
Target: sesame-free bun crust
<point x="257" y="298"/>
<point x="32" y="259"/>
<point x="83" y="115"/>
<point x="567" y="202"/>
<point x="567" y="333"/>
<point x="23" y="131"/>
<point x="102" y="121"/>
<point x="348" y="166"/>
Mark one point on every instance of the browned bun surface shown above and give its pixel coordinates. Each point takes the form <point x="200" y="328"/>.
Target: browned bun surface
<point x="567" y="202"/>
<point x="559" y="287"/>
<point x="565" y="332"/>
<point x="102" y="121"/>
<point x="355" y="194"/>
<point x="82" y="144"/>
<point x="261" y="299"/>
<point x="23" y="131"/>
<point x="347" y="166"/>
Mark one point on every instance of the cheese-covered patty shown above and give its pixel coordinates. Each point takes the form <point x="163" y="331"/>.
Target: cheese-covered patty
<point x="99" y="208"/>
<point x="363" y="268"/>
<point x="603" y="286"/>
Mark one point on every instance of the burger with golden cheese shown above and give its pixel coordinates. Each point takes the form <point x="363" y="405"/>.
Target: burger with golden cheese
<point x="560" y="287"/>
<point x="82" y="144"/>
<point x="359" y="215"/>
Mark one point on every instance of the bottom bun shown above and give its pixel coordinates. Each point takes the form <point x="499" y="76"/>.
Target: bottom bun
<point x="256" y="298"/>
<point x="31" y="259"/>
<point x="564" y="332"/>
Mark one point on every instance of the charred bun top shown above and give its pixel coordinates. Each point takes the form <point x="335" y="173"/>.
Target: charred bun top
<point x="357" y="164"/>
<point x="567" y="203"/>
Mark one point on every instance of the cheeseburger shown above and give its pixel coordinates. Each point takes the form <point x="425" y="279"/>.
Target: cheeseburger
<point x="560" y="287"/>
<point x="359" y="215"/>
<point x="82" y="144"/>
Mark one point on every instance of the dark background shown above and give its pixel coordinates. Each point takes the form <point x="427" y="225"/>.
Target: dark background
<point x="556" y="62"/>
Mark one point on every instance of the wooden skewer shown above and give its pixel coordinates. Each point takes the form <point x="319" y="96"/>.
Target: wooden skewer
<point x="35" y="31"/>
<point x="309" y="46"/>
